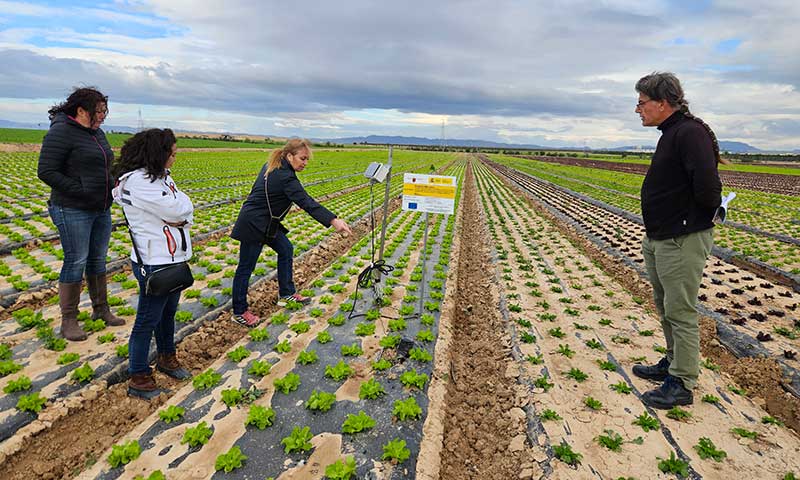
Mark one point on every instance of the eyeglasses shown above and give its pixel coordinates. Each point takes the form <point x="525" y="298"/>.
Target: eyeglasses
<point x="101" y="111"/>
<point x="641" y="103"/>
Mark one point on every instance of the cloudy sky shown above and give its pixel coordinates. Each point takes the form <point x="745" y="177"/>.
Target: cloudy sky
<point x="548" y="73"/>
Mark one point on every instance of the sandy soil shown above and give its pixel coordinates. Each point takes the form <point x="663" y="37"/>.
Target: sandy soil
<point x="484" y="434"/>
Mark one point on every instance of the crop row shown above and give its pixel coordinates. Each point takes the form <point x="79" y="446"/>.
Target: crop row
<point x="26" y="269"/>
<point x="315" y="381"/>
<point x="199" y="174"/>
<point x="771" y="213"/>
<point x="34" y="351"/>
<point x="761" y="314"/>
<point x="578" y="333"/>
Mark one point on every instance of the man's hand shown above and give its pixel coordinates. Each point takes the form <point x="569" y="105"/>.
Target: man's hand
<point x="340" y="226"/>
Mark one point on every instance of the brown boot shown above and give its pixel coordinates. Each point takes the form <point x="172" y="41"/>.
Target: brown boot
<point x="143" y="385"/>
<point x="98" y="291"/>
<point x="168" y="363"/>
<point x="69" y="295"/>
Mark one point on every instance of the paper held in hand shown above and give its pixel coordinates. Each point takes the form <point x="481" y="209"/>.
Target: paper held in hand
<point x="722" y="210"/>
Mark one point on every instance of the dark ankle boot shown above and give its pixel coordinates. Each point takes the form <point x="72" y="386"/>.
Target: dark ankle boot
<point x="98" y="292"/>
<point x="168" y="363"/>
<point x="143" y="385"/>
<point x="657" y="372"/>
<point x="69" y="295"/>
<point x="669" y="394"/>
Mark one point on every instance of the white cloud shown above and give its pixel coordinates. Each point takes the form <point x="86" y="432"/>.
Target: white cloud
<point x="523" y="71"/>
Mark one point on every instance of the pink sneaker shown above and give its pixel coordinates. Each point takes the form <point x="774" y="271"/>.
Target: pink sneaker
<point x="296" y="297"/>
<point x="248" y="319"/>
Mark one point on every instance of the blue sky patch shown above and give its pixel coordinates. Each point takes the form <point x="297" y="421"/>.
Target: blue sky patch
<point x="681" y="41"/>
<point x="728" y="68"/>
<point x="728" y="46"/>
<point x="91" y="18"/>
<point x="691" y="6"/>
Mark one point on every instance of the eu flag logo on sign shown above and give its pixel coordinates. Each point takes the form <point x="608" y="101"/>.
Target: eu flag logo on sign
<point x="412" y="205"/>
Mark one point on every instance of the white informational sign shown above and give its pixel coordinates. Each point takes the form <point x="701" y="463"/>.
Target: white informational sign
<point x="429" y="193"/>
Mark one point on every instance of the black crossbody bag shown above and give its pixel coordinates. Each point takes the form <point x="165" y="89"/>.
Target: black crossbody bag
<point x="165" y="280"/>
<point x="274" y="222"/>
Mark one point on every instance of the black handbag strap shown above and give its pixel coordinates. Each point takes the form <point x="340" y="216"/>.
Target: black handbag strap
<point x="266" y="194"/>
<point x="133" y="241"/>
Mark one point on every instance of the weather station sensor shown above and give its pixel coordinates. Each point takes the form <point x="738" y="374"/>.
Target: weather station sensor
<point x="376" y="172"/>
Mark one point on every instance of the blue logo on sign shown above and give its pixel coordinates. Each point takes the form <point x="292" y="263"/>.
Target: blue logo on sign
<point x="412" y="205"/>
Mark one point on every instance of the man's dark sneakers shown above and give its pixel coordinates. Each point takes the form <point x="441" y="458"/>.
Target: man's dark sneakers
<point x="657" y="372"/>
<point x="669" y="394"/>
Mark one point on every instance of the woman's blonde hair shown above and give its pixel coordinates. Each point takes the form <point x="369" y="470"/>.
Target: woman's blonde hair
<point x="293" y="146"/>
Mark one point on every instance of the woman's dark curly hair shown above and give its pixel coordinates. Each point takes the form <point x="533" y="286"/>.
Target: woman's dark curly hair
<point x="88" y="98"/>
<point x="148" y="149"/>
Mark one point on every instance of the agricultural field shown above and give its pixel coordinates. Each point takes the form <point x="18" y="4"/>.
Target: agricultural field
<point x="502" y="349"/>
<point x="30" y="136"/>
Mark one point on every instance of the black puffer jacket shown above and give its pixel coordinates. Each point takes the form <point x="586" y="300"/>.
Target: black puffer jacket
<point x="75" y="162"/>
<point x="284" y="189"/>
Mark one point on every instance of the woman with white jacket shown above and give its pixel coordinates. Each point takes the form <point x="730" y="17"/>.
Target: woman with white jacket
<point x="159" y="216"/>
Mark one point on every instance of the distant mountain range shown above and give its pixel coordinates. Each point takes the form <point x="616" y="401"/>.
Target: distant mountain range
<point x="429" y="142"/>
<point x="46" y="125"/>
<point x="725" y="146"/>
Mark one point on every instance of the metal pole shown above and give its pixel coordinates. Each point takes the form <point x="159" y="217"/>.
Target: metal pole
<point x="424" y="267"/>
<point x="386" y="205"/>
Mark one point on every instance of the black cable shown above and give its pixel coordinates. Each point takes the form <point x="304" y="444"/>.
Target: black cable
<point x="365" y="277"/>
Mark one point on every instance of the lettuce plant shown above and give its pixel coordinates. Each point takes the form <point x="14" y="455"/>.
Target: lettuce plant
<point x="338" y="372"/>
<point x="298" y="440"/>
<point x="82" y="374"/>
<point x="205" y="380"/>
<point x="197" y="435"/>
<point x="287" y="384"/>
<point x="371" y="389"/>
<point x="396" y="451"/>
<point x="238" y="354"/>
<point x="31" y="403"/>
<point x="19" y="384"/>
<point x="407" y="409"/>
<point x="230" y="460"/>
<point x="412" y="379"/>
<point x="381" y="365"/>
<point x="124" y="453"/>
<point x="341" y="470"/>
<point x="260" y="417"/>
<point x="307" y="357"/>
<point x="258" y="334"/>
<point x="322" y="401"/>
<point x="171" y="414"/>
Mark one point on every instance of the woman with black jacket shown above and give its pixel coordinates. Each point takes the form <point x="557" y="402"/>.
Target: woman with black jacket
<point x="270" y="199"/>
<point x="75" y="161"/>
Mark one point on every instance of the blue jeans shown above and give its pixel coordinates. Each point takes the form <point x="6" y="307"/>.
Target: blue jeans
<point x="84" y="239"/>
<point x="248" y="257"/>
<point x="154" y="315"/>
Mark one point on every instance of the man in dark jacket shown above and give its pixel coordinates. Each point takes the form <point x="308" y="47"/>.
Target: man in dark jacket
<point x="680" y="194"/>
<point x="75" y="161"/>
<point x="275" y="190"/>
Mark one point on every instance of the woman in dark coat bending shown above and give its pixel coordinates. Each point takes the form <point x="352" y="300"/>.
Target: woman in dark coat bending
<point x="275" y="190"/>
